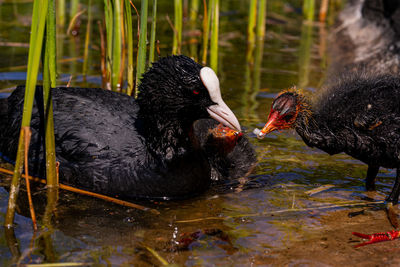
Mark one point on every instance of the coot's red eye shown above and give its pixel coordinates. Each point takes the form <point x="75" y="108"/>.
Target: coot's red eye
<point x="195" y="92"/>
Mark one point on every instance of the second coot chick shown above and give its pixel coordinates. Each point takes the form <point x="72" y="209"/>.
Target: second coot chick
<point x="359" y="115"/>
<point x="113" y="144"/>
<point x="229" y="152"/>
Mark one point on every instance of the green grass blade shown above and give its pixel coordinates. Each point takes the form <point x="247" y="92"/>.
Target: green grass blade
<point x="153" y="32"/>
<point x="49" y="81"/>
<point x="116" y="46"/>
<point x="206" y="30"/>
<point x="108" y="17"/>
<point x="261" y="17"/>
<point x="252" y="21"/>
<point x="35" y="49"/>
<point x="141" y="57"/>
<point x="193" y="15"/>
<point x="87" y="40"/>
<point x="214" y="36"/>
<point x="129" y="38"/>
<point x="308" y="9"/>
<point x="176" y="46"/>
<point x="61" y="13"/>
<point x="73" y="8"/>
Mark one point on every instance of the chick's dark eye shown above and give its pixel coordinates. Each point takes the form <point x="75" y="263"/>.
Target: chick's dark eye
<point x="288" y="117"/>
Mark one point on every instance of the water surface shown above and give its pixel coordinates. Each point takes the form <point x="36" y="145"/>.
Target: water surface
<point x="239" y="224"/>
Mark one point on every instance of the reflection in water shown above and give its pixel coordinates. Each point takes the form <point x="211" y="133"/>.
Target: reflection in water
<point x="305" y="54"/>
<point x="12" y="244"/>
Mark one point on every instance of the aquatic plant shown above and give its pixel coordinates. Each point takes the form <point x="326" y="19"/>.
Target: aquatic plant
<point x="214" y="35"/>
<point x="39" y="16"/>
<point x="153" y="32"/>
<point x="177" y="41"/>
<point x="308" y="9"/>
<point x="141" y="56"/>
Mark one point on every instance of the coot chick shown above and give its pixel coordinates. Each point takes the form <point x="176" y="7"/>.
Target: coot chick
<point x="229" y="152"/>
<point x="359" y="115"/>
<point x="111" y="143"/>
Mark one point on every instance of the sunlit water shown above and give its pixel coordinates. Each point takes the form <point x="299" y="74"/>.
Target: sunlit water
<point x="248" y="218"/>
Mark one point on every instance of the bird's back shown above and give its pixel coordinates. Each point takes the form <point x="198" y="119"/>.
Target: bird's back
<point x="363" y="113"/>
<point x="96" y="132"/>
<point x="3" y="113"/>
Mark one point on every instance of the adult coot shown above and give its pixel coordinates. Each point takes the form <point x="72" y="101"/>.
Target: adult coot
<point x="110" y="143"/>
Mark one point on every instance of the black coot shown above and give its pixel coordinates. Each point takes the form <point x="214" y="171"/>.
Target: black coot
<point x="113" y="144"/>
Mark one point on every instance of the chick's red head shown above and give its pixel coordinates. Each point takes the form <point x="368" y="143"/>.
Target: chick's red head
<point x="283" y="113"/>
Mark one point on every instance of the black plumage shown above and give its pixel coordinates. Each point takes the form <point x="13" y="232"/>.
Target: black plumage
<point x="113" y="144"/>
<point x="359" y="115"/>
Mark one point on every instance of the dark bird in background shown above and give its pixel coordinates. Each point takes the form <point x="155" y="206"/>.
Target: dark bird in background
<point x="152" y="147"/>
<point x="359" y="116"/>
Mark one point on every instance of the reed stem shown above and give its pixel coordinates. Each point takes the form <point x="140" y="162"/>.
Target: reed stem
<point x="87" y="40"/>
<point x="252" y="22"/>
<point x="141" y="56"/>
<point x="109" y="21"/>
<point x="308" y="9"/>
<point x="176" y="46"/>
<point x="116" y="46"/>
<point x="129" y="42"/>
<point x="49" y="82"/>
<point x="193" y="14"/>
<point x="214" y="36"/>
<point x="36" y="40"/>
<point x="206" y="30"/>
<point x="323" y="10"/>
<point x="73" y="9"/>
<point x="261" y="17"/>
<point x="61" y="13"/>
<point x="153" y="33"/>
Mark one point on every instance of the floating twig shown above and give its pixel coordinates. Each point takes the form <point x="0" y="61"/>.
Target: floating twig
<point x="319" y="189"/>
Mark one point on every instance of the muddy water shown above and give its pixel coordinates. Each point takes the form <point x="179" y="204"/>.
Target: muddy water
<point x="266" y="219"/>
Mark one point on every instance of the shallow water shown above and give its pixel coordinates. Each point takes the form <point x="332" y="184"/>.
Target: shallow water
<point x="238" y="224"/>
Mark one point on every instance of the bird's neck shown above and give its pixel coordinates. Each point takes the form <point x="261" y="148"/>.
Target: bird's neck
<point x="166" y="135"/>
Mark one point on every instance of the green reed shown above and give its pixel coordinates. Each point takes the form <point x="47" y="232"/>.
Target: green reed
<point x="308" y="9"/>
<point x="305" y="54"/>
<point x="254" y="55"/>
<point x="252" y="21"/>
<point x="61" y="13"/>
<point x="49" y="81"/>
<point x="141" y="56"/>
<point x="87" y="40"/>
<point x="177" y="41"/>
<point x="261" y="18"/>
<point x="36" y="40"/>
<point x="214" y="35"/>
<point x="109" y="22"/>
<point x="129" y="44"/>
<point x="206" y="30"/>
<point x="116" y="46"/>
<point x="193" y="15"/>
<point x="153" y="33"/>
<point x="73" y="8"/>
